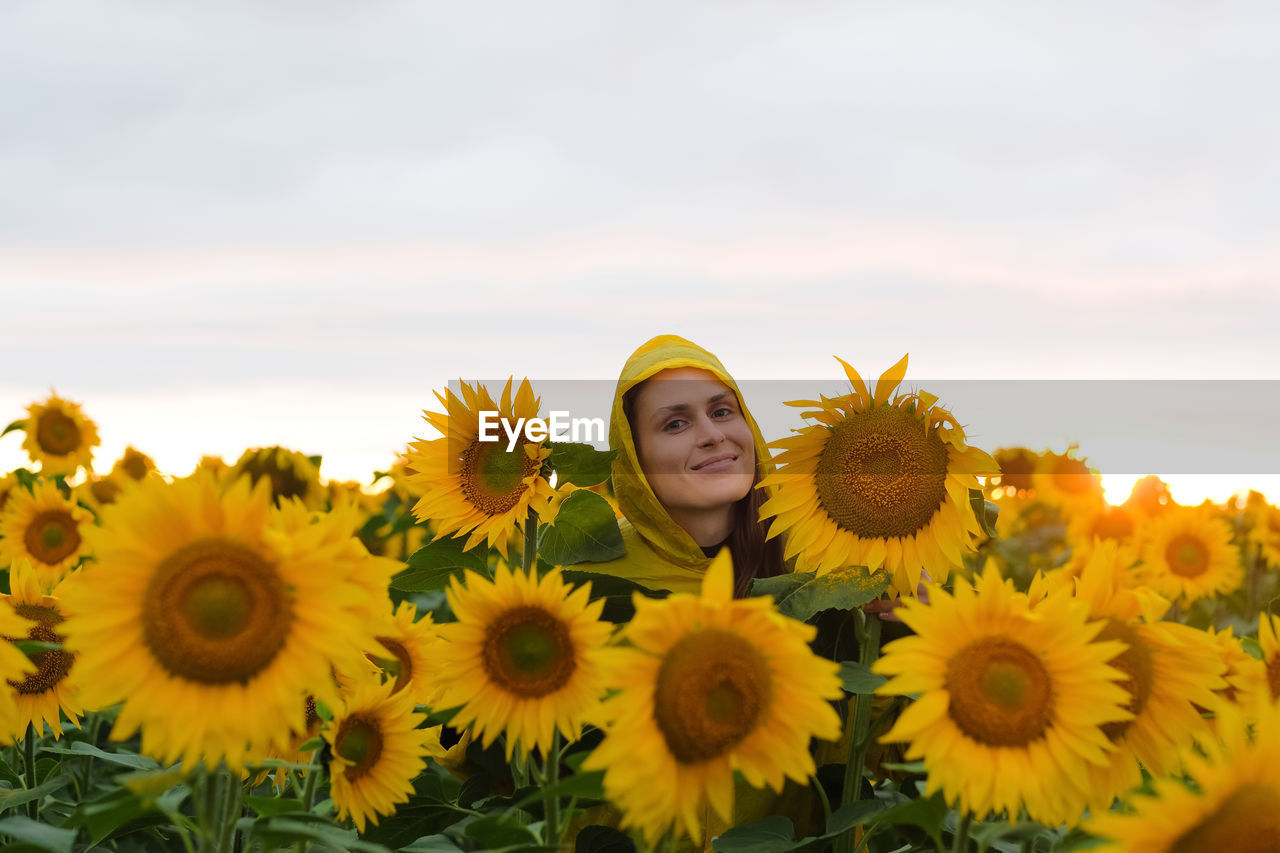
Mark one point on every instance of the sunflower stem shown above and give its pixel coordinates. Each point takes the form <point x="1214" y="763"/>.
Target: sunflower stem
<point x="551" y="801"/>
<point x="231" y="810"/>
<point x="29" y="759"/>
<point x="530" y="541"/>
<point x="822" y="798"/>
<point x="960" y="844"/>
<point x="859" y="717"/>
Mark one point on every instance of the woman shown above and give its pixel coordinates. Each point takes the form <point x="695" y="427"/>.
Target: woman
<point x="689" y="456"/>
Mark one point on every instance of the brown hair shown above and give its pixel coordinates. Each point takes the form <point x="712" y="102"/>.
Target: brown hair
<point x="753" y="555"/>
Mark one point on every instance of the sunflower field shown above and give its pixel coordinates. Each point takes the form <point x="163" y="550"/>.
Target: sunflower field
<point x="973" y="651"/>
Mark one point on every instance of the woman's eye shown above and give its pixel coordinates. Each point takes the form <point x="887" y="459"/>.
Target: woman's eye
<point x="673" y="425"/>
<point x="722" y="412"/>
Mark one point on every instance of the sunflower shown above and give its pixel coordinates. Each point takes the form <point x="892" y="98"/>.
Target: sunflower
<point x="1188" y="555"/>
<point x="1012" y="702"/>
<point x="473" y="486"/>
<point x="97" y="492"/>
<point x="1150" y="496"/>
<point x="45" y="529"/>
<point x="1102" y="523"/>
<point x="59" y="437"/>
<point x="8" y="482"/>
<point x="292" y="750"/>
<point x="1247" y="677"/>
<point x="1269" y="640"/>
<point x="523" y="658"/>
<point x="209" y="623"/>
<point x="42" y="696"/>
<point x="1234" y="804"/>
<point x="1171" y="672"/>
<point x="290" y="473"/>
<point x="133" y="464"/>
<point x="708" y="686"/>
<point x="1016" y="467"/>
<point x="1065" y="480"/>
<point x="877" y="483"/>
<point x="378" y="750"/>
<point x="409" y="648"/>
<point x="14" y="665"/>
<point x="1263" y="526"/>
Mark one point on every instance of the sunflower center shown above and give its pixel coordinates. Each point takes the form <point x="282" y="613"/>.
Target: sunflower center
<point x="1071" y="475"/>
<point x="1114" y="523"/>
<point x="528" y="652"/>
<point x="285" y="482"/>
<point x="216" y="612"/>
<point x="882" y="474"/>
<point x="1248" y="821"/>
<point x="1015" y="470"/>
<point x="399" y="666"/>
<point x="359" y="741"/>
<point x="104" y="491"/>
<point x="51" y="666"/>
<point x="52" y="536"/>
<point x="493" y="478"/>
<point x="1137" y="665"/>
<point x="713" y="686"/>
<point x="1187" y="556"/>
<point x="1273" y="676"/>
<point x="135" y="464"/>
<point x="1000" y="692"/>
<point x="57" y="434"/>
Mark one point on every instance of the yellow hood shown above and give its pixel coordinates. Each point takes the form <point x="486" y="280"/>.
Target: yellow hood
<point x="660" y="553"/>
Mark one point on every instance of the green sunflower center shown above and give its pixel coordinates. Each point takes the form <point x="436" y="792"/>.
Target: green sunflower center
<point x="528" y="652"/>
<point x="216" y="612"/>
<point x="493" y="478"/>
<point x="399" y="666"/>
<point x="713" y="688"/>
<point x="1187" y="556"/>
<point x="1248" y="821"/>
<point x="359" y="741"/>
<point x="1000" y="692"/>
<point x="52" y="536"/>
<point x="57" y="434"/>
<point x="1137" y="665"/>
<point x="882" y="474"/>
<point x="51" y="666"/>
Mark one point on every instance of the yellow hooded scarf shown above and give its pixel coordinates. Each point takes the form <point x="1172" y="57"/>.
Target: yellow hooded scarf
<point x="660" y="553"/>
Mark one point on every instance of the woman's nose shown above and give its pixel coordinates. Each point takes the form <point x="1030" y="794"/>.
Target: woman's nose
<point x="709" y="433"/>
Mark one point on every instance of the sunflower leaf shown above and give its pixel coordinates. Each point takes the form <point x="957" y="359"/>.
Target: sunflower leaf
<point x="580" y="464"/>
<point x="39" y="835"/>
<point x="585" y="531"/>
<point x="841" y="589"/>
<point x="431" y="566"/>
<point x="773" y="834"/>
<point x="857" y="678"/>
<point x="13" y="427"/>
<point x="985" y="511"/>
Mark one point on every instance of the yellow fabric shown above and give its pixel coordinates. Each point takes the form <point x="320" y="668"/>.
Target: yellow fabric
<point x="660" y="553"/>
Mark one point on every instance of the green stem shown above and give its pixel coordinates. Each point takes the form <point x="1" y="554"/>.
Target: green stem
<point x="530" y="541"/>
<point x="231" y="810"/>
<point x="960" y="844"/>
<point x="859" y="716"/>
<point x="551" y="801"/>
<point x="29" y="759"/>
<point x="308" y="800"/>
<point x="206" y="795"/>
<point x="822" y="798"/>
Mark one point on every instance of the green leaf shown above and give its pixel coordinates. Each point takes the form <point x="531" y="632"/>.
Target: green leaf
<point x="773" y="834"/>
<point x="10" y="798"/>
<point x="780" y="586"/>
<point x="580" y="464"/>
<point x="492" y="832"/>
<point x="272" y="806"/>
<point x="603" y="839"/>
<point x="303" y="827"/>
<point x="840" y="589"/>
<point x="585" y="531"/>
<point x="104" y="815"/>
<point x="16" y="425"/>
<point x="40" y="835"/>
<point x="987" y="834"/>
<point x="857" y="678"/>
<point x="588" y="785"/>
<point x="128" y="759"/>
<point x="433" y="564"/>
<point x="985" y="511"/>
<point x="431" y="844"/>
<point x="850" y="815"/>
<point x="926" y="813"/>
<point x="430" y="810"/>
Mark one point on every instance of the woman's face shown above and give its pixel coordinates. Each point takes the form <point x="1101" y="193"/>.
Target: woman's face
<point x="694" y="444"/>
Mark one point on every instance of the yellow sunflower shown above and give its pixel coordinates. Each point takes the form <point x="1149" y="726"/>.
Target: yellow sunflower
<point x="1171" y="672"/>
<point x="133" y="464"/>
<point x="45" y="529"/>
<point x="292" y="750"/>
<point x="1011" y="702"/>
<point x="479" y="487"/>
<point x="1234" y="804"/>
<point x="1017" y="464"/>
<point x="290" y="473"/>
<point x="1247" y="678"/>
<point x="97" y="492"/>
<point x="409" y="651"/>
<point x="14" y="665"/>
<point x="710" y="685"/>
<point x="1263" y="526"/>
<point x="209" y="623"/>
<point x="1065" y="480"/>
<point x="877" y="483"/>
<point x="1150" y="496"/>
<point x="59" y="437"/>
<point x="378" y="750"/>
<point x="8" y="482"/>
<point x="42" y="696"/>
<point x="1269" y="639"/>
<point x="1102" y="523"/>
<point x="523" y="658"/>
<point x="1187" y="554"/>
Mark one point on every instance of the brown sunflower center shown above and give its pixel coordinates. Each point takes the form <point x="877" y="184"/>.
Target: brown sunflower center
<point x="104" y="491"/>
<point x="359" y="741"/>
<point x="1071" y="475"/>
<point x="1137" y="665"/>
<point x="51" y="666"/>
<point x="528" y="652"/>
<point x="57" y="434"/>
<point x="1000" y="692"/>
<point x="882" y="474"/>
<point x="399" y="666"/>
<point x="285" y="481"/>
<point x="1273" y="676"/>
<point x="1113" y="523"/>
<point x="1248" y="821"/>
<point x="52" y="536"/>
<point x="713" y="687"/>
<point x="1187" y="556"/>
<point x="493" y="478"/>
<point x="216" y="612"/>
<point x="135" y="464"/>
<point x="1015" y="469"/>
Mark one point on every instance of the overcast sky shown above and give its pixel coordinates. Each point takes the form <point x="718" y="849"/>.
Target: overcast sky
<point x="242" y="223"/>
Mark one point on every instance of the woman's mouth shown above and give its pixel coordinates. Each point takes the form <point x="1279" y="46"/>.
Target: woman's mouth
<point x="716" y="463"/>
